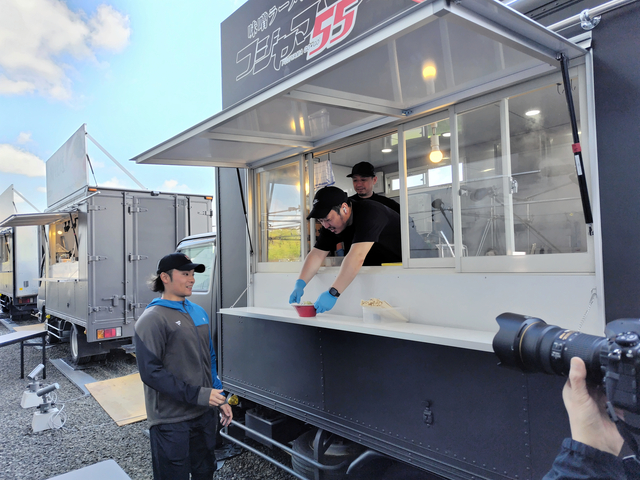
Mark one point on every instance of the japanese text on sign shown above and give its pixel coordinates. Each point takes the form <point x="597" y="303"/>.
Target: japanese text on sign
<point x="312" y="31"/>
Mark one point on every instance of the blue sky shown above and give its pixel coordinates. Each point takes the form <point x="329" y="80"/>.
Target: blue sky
<point x="137" y="72"/>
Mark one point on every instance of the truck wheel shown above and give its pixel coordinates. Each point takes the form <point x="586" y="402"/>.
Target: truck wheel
<point x="339" y="451"/>
<point x="78" y="343"/>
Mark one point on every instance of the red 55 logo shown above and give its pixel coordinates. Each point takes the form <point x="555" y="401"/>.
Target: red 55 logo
<point x="333" y="24"/>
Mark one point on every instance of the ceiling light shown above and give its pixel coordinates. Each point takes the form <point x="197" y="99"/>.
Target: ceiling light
<point x="429" y="72"/>
<point x="386" y="148"/>
<point x="435" y="156"/>
<point x="532" y="113"/>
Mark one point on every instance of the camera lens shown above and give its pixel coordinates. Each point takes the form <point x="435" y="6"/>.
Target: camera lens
<point x="530" y="344"/>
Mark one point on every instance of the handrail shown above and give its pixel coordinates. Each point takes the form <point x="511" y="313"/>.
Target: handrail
<point x="224" y="433"/>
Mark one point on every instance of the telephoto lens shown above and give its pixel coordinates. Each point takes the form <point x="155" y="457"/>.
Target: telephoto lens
<point x="529" y="344"/>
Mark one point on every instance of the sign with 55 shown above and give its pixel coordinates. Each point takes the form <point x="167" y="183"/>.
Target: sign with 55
<point x="263" y="43"/>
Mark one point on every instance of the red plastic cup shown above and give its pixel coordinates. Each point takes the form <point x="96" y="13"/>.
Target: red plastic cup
<point x="305" y="310"/>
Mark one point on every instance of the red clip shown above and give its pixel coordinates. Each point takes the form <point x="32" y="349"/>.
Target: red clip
<point x="576" y="148"/>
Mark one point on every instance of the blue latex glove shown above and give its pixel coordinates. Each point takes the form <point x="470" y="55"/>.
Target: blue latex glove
<point x="297" y="291"/>
<point x="325" y="302"/>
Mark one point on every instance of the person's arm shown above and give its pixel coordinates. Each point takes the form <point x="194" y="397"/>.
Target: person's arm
<point x="309" y="269"/>
<point x="590" y="423"/>
<point x="226" y="414"/>
<point x="351" y="265"/>
<point x="149" y="340"/>
<point x="593" y="450"/>
<point x="312" y="264"/>
<point x="216" y="397"/>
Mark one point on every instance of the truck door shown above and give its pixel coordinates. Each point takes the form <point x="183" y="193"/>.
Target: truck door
<point x="109" y="229"/>
<point x="199" y="215"/>
<point x="155" y="220"/>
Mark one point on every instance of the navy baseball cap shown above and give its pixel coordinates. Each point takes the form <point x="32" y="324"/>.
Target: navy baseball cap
<point x="364" y="169"/>
<point x="178" y="261"/>
<point x="325" y="199"/>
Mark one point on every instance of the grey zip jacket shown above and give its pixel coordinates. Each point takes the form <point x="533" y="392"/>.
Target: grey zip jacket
<point x="176" y="360"/>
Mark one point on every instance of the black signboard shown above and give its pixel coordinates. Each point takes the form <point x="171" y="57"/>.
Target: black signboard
<point x="265" y="41"/>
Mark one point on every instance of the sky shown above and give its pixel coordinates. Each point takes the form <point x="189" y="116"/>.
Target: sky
<point x="136" y="72"/>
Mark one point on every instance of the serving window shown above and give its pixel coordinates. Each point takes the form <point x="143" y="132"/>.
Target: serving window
<point x="63" y="248"/>
<point x="520" y="195"/>
<point x="280" y="213"/>
<point x="6" y="247"/>
<point x="493" y="178"/>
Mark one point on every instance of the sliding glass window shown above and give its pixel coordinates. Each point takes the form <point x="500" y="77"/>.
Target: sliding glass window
<point x="279" y="213"/>
<point x="520" y="195"/>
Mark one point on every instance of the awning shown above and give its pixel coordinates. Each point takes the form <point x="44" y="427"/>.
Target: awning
<point x="30" y="219"/>
<point x="437" y="54"/>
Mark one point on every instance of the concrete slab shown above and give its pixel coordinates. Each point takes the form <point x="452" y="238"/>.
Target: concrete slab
<point x="107" y="470"/>
<point x="77" y="377"/>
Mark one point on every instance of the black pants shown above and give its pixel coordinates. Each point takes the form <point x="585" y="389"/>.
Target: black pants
<point x="178" y="449"/>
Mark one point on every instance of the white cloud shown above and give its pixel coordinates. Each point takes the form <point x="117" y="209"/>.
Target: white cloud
<point x="37" y="36"/>
<point x="17" y="161"/>
<point x="113" y="183"/>
<point x="42" y="189"/>
<point x="172" y="186"/>
<point x="97" y="164"/>
<point x="109" y="29"/>
<point x="24" y="137"/>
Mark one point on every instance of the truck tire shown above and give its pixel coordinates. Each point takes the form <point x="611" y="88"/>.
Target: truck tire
<point x="339" y="451"/>
<point x="78" y="343"/>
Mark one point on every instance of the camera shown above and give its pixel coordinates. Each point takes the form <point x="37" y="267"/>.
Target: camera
<point x="35" y="372"/>
<point x="529" y="344"/>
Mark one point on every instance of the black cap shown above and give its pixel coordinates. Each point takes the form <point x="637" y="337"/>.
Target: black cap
<point x="178" y="261"/>
<point x="364" y="169"/>
<point x="325" y="199"/>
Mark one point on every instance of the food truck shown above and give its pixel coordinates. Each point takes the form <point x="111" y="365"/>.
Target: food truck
<point x="101" y="247"/>
<point x="19" y="263"/>
<point x="507" y="145"/>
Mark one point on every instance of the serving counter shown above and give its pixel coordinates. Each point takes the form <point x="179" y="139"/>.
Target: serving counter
<point x="437" y="335"/>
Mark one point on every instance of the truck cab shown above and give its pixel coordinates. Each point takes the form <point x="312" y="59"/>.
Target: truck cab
<point x="201" y="248"/>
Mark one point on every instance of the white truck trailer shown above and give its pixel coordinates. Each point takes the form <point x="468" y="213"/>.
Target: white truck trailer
<point x="19" y="263"/>
<point x="102" y="245"/>
<point x="513" y="221"/>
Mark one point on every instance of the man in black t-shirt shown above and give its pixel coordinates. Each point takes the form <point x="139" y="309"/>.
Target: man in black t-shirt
<point x="370" y="233"/>
<point x="364" y="179"/>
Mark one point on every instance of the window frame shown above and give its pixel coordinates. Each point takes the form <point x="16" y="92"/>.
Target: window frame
<point x="577" y="262"/>
<point x="260" y="266"/>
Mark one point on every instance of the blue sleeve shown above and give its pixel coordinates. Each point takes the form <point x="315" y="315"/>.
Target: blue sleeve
<point x="577" y="461"/>
<point x="217" y="383"/>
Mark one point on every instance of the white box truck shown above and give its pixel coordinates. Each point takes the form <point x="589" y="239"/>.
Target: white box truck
<point x="101" y="246"/>
<point x="19" y="263"/>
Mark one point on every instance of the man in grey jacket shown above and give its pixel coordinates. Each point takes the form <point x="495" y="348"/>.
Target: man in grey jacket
<point x="177" y="364"/>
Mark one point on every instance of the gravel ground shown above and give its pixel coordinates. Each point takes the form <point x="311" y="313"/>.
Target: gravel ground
<point x="89" y="434"/>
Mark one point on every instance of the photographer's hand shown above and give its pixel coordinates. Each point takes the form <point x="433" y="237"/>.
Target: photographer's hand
<point x="588" y="417"/>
